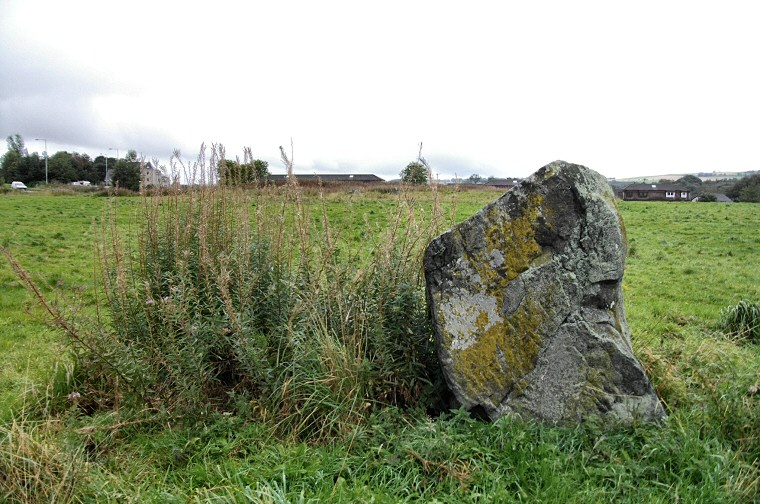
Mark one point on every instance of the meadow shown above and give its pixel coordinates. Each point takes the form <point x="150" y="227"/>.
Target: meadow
<point x="686" y="263"/>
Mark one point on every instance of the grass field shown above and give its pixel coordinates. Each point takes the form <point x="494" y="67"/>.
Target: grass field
<point x="686" y="263"/>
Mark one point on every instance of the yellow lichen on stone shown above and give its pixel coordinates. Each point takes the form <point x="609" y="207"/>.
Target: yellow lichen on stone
<point x="500" y="352"/>
<point x="514" y="239"/>
<point x="491" y="352"/>
<point x="464" y="316"/>
<point x="479" y="363"/>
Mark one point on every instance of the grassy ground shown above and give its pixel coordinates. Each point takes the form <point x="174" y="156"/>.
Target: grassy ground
<point x="690" y="260"/>
<point x="54" y="237"/>
<point x="687" y="261"/>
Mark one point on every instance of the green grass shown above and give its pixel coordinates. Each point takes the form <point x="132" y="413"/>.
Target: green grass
<point x="687" y="262"/>
<point x="690" y="260"/>
<point x="53" y="237"/>
<point x="405" y="457"/>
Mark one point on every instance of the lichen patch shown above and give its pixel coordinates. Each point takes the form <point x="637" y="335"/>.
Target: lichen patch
<point x="466" y="314"/>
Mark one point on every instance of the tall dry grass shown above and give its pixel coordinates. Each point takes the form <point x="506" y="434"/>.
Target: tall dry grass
<point x="35" y="468"/>
<point x="225" y="297"/>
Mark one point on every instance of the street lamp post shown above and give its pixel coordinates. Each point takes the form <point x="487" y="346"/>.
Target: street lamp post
<point x="46" y="158"/>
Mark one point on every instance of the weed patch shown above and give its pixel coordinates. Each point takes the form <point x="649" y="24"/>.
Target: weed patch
<point x="741" y="321"/>
<point x="227" y="297"/>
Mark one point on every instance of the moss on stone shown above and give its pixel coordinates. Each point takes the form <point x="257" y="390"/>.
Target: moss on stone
<point x="502" y="350"/>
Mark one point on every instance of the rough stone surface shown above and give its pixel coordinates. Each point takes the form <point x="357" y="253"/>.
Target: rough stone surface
<point x="527" y="304"/>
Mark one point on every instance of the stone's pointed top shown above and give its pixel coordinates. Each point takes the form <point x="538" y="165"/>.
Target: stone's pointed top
<point x="527" y="304"/>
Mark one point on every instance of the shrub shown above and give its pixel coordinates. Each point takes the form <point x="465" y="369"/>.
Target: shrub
<point x="742" y="321"/>
<point x="114" y="191"/>
<point x="707" y="198"/>
<point x="229" y="298"/>
<point x="746" y="189"/>
<point x="415" y="173"/>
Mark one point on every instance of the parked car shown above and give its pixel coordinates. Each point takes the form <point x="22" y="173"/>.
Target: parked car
<point x="19" y="185"/>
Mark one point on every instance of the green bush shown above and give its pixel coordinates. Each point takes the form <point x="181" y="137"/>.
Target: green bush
<point x="707" y="198"/>
<point x="415" y="172"/>
<point x="233" y="299"/>
<point x="746" y="189"/>
<point x="742" y="321"/>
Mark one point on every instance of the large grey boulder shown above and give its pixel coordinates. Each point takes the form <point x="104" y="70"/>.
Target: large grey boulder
<point x="527" y="304"/>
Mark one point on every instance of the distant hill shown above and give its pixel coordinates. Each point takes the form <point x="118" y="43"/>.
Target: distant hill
<point x="705" y="176"/>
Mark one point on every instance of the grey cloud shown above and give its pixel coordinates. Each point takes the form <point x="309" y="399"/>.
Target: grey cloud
<point x="43" y="97"/>
<point x="449" y="166"/>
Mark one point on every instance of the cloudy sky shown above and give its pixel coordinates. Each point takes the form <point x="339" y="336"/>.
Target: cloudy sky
<point x="496" y="88"/>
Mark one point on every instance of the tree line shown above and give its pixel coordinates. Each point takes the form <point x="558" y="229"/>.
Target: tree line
<point x="17" y="164"/>
<point x="745" y="189"/>
<point x="64" y="167"/>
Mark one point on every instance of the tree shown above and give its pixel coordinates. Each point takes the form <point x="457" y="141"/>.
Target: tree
<point x="83" y="165"/>
<point x="97" y="172"/>
<point x="415" y="173"/>
<point x="746" y="189"/>
<point x="126" y="172"/>
<point x="690" y="179"/>
<point x="26" y="169"/>
<point x="707" y="198"/>
<point x="233" y="172"/>
<point x="690" y="182"/>
<point x="260" y="169"/>
<point x="31" y="168"/>
<point x="16" y="144"/>
<point x="61" y="167"/>
<point x="10" y="167"/>
<point x="750" y="194"/>
<point x="475" y="179"/>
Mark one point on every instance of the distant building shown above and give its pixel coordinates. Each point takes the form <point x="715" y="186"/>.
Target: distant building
<point x="503" y="183"/>
<point x="719" y="198"/>
<point x="149" y="175"/>
<point x="328" y="178"/>
<point x="655" y="192"/>
<point x="152" y="176"/>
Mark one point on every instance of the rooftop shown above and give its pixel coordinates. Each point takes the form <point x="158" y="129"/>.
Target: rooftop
<point x="656" y="187"/>
<point x="330" y="177"/>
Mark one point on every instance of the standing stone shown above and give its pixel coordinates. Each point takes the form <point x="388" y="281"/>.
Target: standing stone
<point x="527" y="304"/>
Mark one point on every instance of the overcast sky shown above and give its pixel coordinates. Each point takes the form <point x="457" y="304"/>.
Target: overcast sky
<point x="496" y="88"/>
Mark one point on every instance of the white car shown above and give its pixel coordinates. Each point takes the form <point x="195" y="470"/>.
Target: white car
<point x="18" y="185"/>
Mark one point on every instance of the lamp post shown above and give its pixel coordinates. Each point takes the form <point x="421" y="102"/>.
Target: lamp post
<point x="46" y="158"/>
